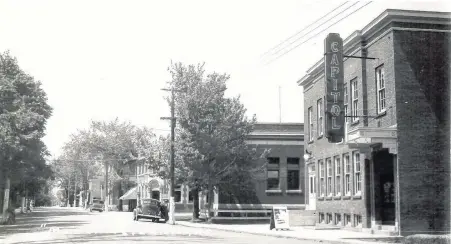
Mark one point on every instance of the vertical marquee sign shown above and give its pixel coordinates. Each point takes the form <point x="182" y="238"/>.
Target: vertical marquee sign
<point x="334" y="77"/>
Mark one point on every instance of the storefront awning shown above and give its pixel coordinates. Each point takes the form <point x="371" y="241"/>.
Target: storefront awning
<point x="367" y="136"/>
<point x="129" y="195"/>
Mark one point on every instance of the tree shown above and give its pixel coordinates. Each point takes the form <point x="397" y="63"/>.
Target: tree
<point x="118" y="144"/>
<point x="22" y="121"/>
<point x="211" y="129"/>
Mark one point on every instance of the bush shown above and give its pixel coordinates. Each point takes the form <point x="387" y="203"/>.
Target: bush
<point x="428" y="239"/>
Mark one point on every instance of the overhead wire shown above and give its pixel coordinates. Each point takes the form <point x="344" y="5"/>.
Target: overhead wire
<point x="320" y="25"/>
<point x="318" y="33"/>
<point x="303" y="29"/>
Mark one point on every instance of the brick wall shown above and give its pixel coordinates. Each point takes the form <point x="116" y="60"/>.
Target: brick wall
<point x="422" y="85"/>
<point x="282" y="152"/>
<point x="322" y="149"/>
<point x="364" y="71"/>
<point x="383" y="51"/>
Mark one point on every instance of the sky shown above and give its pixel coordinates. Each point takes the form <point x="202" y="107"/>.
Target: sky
<point x="98" y="60"/>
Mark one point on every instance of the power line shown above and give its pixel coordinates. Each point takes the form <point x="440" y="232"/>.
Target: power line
<point x="317" y="33"/>
<point x="320" y="25"/>
<point x="302" y="29"/>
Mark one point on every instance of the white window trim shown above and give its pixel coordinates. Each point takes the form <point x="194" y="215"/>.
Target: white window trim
<point x="329" y="177"/>
<point x="338" y="191"/>
<point x="322" y="179"/>
<point x="346" y="101"/>
<point x="310" y="120"/>
<point x="354" y="162"/>
<point x="347" y="191"/>
<point x="299" y="179"/>
<point x="319" y="116"/>
<point x="379" y="71"/>
<point x="354" y="100"/>
<point x="278" y="177"/>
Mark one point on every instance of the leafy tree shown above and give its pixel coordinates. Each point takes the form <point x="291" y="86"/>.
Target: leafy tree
<point x="120" y="144"/>
<point x="212" y="129"/>
<point x="23" y="115"/>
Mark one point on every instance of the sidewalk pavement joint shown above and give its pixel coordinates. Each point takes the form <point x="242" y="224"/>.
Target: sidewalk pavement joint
<point x="275" y="234"/>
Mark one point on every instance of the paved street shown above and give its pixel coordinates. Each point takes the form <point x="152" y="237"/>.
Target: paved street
<point x="63" y="225"/>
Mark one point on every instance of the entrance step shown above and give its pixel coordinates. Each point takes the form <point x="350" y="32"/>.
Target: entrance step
<point x="326" y="227"/>
<point x="388" y="227"/>
<point x="386" y="230"/>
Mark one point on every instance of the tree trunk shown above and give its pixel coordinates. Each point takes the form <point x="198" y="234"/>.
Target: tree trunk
<point x="68" y="194"/>
<point x="196" y="209"/>
<point x="210" y="199"/>
<point x="75" y="192"/>
<point x="22" y="199"/>
<point x="6" y="196"/>
<point x="26" y="197"/>
<point x="106" y="188"/>
<point x="86" y="190"/>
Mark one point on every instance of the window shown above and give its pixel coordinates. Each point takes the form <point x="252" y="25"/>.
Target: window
<point x="273" y="173"/>
<point x="178" y="193"/>
<point x="322" y="186"/>
<point x="358" y="220"/>
<point x="346" y="100"/>
<point x="329" y="218"/>
<point x="273" y="180"/>
<point x="293" y="174"/>
<point x="312" y="179"/>
<point x="321" y="217"/>
<point x="337" y="219"/>
<point x="347" y="169"/>
<point x="380" y="85"/>
<point x="347" y="219"/>
<point x="355" y="100"/>
<point x="190" y="196"/>
<point x="329" y="176"/>
<point x="310" y="124"/>
<point x="293" y="180"/>
<point x="293" y="161"/>
<point x="319" y="109"/>
<point x="273" y="161"/>
<point x="337" y="176"/>
<point x="357" y="173"/>
<point x="177" y="196"/>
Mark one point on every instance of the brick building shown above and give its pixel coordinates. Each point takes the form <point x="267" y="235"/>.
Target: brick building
<point x="391" y="172"/>
<point x="282" y="183"/>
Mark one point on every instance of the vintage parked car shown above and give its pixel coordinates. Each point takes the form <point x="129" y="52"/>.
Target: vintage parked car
<point x="151" y="209"/>
<point x="97" y="205"/>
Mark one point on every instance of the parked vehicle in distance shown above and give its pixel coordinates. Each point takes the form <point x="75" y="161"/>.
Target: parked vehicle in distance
<point x="151" y="209"/>
<point x="97" y="205"/>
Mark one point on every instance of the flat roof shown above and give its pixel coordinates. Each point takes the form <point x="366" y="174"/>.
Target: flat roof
<point x="415" y="16"/>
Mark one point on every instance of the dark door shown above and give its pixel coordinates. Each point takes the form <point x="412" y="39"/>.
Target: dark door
<point x="387" y="198"/>
<point x="156" y="195"/>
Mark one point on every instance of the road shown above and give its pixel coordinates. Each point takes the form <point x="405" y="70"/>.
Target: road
<point x="65" y="225"/>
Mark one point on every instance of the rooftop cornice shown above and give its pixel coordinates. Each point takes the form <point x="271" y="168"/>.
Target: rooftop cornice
<point x="385" y="18"/>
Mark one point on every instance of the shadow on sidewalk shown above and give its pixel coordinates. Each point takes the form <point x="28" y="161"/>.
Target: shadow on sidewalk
<point x="119" y="238"/>
<point x="31" y="222"/>
<point x="38" y="227"/>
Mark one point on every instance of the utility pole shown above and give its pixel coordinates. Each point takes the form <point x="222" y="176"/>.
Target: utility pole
<point x="172" y="167"/>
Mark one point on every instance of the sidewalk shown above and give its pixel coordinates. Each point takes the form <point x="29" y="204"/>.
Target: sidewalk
<point x="300" y="233"/>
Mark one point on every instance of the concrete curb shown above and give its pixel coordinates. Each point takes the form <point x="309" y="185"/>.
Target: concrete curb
<point x="283" y="236"/>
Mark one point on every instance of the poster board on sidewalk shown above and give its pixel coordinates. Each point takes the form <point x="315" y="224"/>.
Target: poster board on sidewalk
<point x="280" y="217"/>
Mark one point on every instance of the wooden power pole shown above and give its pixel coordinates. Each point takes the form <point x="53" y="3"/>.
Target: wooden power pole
<point x="172" y="167"/>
